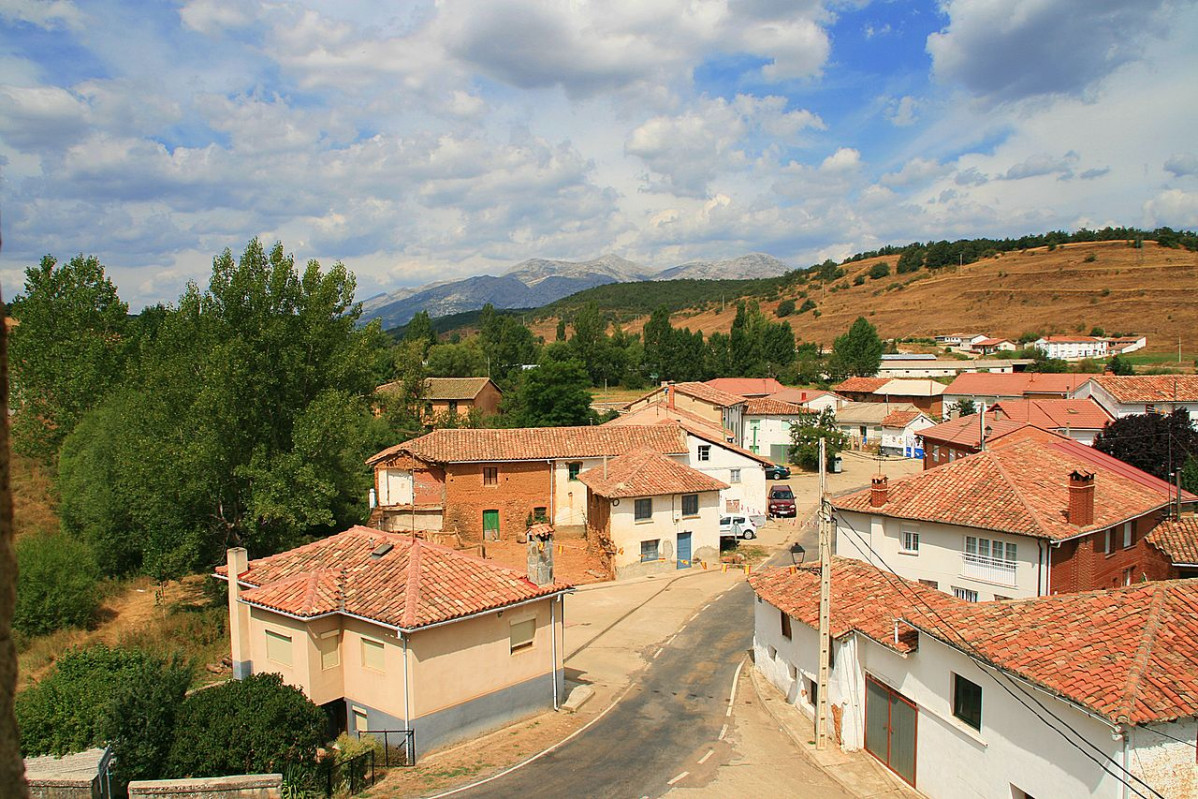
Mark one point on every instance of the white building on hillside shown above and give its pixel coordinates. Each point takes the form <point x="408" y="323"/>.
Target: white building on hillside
<point x="1073" y="348"/>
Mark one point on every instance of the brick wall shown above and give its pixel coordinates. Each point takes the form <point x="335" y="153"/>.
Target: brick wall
<point x="1084" y="565"/>
<point x="521" y="487"/>
<point x="936" y="453"/>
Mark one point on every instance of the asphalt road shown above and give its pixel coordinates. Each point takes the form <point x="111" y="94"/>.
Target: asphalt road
<point x="676" y="710"/>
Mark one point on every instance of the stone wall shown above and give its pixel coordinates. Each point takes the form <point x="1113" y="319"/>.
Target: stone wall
<point x="246" y="786"/>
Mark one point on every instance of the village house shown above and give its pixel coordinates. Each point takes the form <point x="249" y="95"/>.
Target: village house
<point x="810" y="399"/>
<point x="925" y="395"/>
<point x="1026" y="518"/>
<point x="1129" y="395"/>
<point x="987" y="388"/>
<point x="767" y="427"/>
<point x="1072" y="348"/>
<point x="648" y="513"/>
<point x="718" y="407"/>
<point x="454" y="396"/>
<point x="747" y="387"/>
<point x="1177" y="539"/>
<point x="489" y="484"/>
<point x="989" y="346"/>
<point x="860" y="389"/>
<point x="956" y="438"/>
<point x="890" y="429"/>
<point x="997" y="700"/>
<point x="387" y="631"/>
<point x="1121" y="345"/>
<point x="1079" y="419"/>
<point x="960" y="341"/>
<point x="949" y="367"/>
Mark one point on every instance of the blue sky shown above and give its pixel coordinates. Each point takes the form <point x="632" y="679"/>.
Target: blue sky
<point x="429" y="141"/>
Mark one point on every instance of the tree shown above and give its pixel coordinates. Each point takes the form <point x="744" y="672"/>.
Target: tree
<point x="1120" y="366"/>
<point x="879" y="270"/>
<point x="420" y="330"/>
<point x="1155" y="443"/>
<point x="858" y="352"/>
<point x="508" y="345"/>
<point x="966" y="407"/>
<point x="785" y="308"/>
<point x="806" y="433"/>
<point x="462" y="359"/>
<point x="245" y="421"/>
<point x="67" y="351"/>
<point x="554" y="394"/>
<point x="256" y="725"/>
<point x="59" y="585"/>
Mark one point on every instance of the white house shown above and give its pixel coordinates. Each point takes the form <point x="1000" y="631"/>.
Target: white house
<point x="900" y="433"/>
<point x="767" y="427"/>
<point x="810" y="399"/>
<point x="650" y="513"/>
<point x="1079" y="419"/>
<point x="1072" y="348"/>
<point x="906" y="367"/>
<point x="957" y="698"/>
<point x="1128" y="395"/>
<point x="888" y="426"/>
<point x="960" y="341"/>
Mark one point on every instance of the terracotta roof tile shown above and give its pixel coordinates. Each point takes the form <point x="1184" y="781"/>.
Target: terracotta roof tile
<point x="861" y="384"/>
<point x="445" y="388"/>
<point x="964" y="431"/>
<point x="659" y="413"/>
<point x="413" y="584"/>
<point x="799" y="396"/>
<point x="1019" y="488"/>
<point x="707" y="393"/>
<point x="900" y="418"/>
<point x="746" y="386"/>
<point x="536" y="443"/>
<point x="1177" y="538"/>
<point x="764" y="406"/>
<point x="1056" y="414"/>
<point x="1150" y="388"/>
<point x="1014" y="384"/>
<point x="644" y="473"/>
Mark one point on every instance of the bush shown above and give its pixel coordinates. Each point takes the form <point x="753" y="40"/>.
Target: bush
<point x="253" y="726"/>
<point x="879" y="271"/>
<point x="58" y="585"/>
<point x="808" y="305"/>
<point x="859" y="280"/>
<point x="785" y="308"/>
<point x="1090" y="258"/>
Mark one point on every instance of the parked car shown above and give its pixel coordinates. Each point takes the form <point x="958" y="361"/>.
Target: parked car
<point x="782" y="501"/>
<point x="777" y="472"/>
<point x="737" y="525"/>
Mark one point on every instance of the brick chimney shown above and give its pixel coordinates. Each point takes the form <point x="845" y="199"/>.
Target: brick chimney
<point x="239" y="614"/>
<point x="879" y="491"/>
<point x="540" y="554"/>
<point x="1081" y="498"/>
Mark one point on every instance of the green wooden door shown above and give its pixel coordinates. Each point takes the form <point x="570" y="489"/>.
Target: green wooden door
<point x="490" y="525"/>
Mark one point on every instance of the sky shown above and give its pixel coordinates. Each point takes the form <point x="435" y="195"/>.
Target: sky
<point x="423" y="141"/>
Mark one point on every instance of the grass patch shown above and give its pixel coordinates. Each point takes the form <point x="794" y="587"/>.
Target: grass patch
<point x="35" y="507"/>
<point x="1160" y="358"/>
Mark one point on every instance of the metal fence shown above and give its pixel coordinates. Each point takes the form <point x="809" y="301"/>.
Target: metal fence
<point x="399" y="746"/>
<point x="329" y="779"/>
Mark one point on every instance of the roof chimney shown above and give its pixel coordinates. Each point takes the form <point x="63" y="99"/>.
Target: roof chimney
<point x="670" y="396"/>
<point x="879" y="491"/>
<point x="1081" y="498"/>
<point x="239" y="614"/>
<point x="540" y="554"/>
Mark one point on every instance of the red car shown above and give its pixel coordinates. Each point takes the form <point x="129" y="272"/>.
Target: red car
<point x="782" y="501"/>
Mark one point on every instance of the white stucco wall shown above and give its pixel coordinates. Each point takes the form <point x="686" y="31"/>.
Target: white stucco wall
<point x="898" y="439"/>
<point x="939" y="559"/>
<point x="771" y="431"/>
<point x="664" y="526"/>
<point x="749" y="489"/>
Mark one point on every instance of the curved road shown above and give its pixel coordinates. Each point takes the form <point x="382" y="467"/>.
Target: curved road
<point x="678" y="708"/>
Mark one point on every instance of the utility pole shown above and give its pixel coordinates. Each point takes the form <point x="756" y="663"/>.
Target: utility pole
<point x="825" y="600"/>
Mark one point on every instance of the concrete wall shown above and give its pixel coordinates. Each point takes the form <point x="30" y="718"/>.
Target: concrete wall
<point x="939" y="559"/>
<point x="1164" y="762"/>
<point x="667" y="522"/>
<point x="248" y="786"/>
<point x="50" y="788"/>
<point x="770" y="431"/>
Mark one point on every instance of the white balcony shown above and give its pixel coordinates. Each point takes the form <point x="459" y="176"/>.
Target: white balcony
<point x="990" y="570"/>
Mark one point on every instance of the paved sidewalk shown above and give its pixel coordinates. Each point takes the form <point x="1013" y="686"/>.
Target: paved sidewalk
<point x="857" y="772"/>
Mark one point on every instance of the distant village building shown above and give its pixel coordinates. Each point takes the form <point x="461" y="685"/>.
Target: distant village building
<point x="926" y="395"/>
<point x="747" y="387"/>
<point x="1129" y="395"/>
<point x="984" y="388"/>
<point x="1072" y="348"/>
<point x="1079" y="419"/>
<point x="454" y="396"/>
<point x="887" y="428"/>
<point x="949" y="367"/>
<point x="718" y="407"/>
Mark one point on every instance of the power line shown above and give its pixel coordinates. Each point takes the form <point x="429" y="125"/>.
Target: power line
<point x="996" y="673"/>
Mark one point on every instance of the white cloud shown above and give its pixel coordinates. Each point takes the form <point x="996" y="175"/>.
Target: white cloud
<point x="1182" y="164"/>
<point x="901" y="112"/>
<point x="914" y="172"/>
<point x="1174" y="208"/>
<point x="45" y="14"/>
<point x="1042" y="164"/>
<point x="845" y="159"/>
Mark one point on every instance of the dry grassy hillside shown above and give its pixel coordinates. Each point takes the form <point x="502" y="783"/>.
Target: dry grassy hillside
<point x="1152" y="292"/>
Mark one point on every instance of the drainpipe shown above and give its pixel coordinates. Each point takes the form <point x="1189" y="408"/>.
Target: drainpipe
<point x="1123" y="732"/>
<point x="407" y="706"/>
<point x="553" y="639"/>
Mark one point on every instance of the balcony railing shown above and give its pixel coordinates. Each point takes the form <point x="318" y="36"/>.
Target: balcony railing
<point x="992" y="570"/>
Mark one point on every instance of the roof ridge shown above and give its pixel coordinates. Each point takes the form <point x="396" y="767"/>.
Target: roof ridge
<point x="1140" y="662"/>
<point x="1018" y="494"/>
<point x="412" y="591"/>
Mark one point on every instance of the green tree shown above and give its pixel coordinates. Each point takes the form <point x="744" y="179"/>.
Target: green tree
<point x="858" y="352"/>
<point x="805" y="435"/>
<point x="253" y="726"/>
<point x="141" y="721"/>
<point x="508" y="345"/>
<point x="966" y="407"/>
<point x="554" y="394"/>
<point x="1121" y="366"/>
<point x="244" y="422"/>
<point x="879" y="270"/>
<point x="67" y="352"/>
<point x="59" y="585"/>
<point x="420" y="330"/>
<point x="463" y="359"/>
<point x="1153" y="442"/>
<point x="785" y="308"/>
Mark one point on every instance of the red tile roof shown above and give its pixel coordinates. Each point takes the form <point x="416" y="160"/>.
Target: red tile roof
<point x="1056" y="414"/>
<point x="411" y="585"/>
<point x="647" y="474"/>
<point x="963" y="431"/>
<point x="990" y="342"/>
<point x="764" y="406"/>
<point x="802" y="395"/>
<point x="863" y="599"/>
<point x="1128" y="654"/>
<point x="1178" y="539"/>
<point x="700" y="391"/>
<point x="536" y="443"/>
<point x="746" y="386"/>
<point x="900" y="418"/>
<point x="659" y="412"/>
<point x="1150" y="388"/>
<point x="1014" y="384"/>
<point x="446" y="388"/>
<point x="861" y="384"/>
<point x="1019" y="488"/>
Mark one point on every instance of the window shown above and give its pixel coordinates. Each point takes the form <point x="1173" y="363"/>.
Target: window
<point x="704" y="452"/>
<point x="1108" y="542"/>
<point x="1149" y="409"/>
<point x="1128" y="535"/>
<point x="690" y="504"/>
<point x="329" y="645"/>
<point x="360" y="720"/>
<point x="490" y="475"/>
<point x="785" y="625"/>
<point x="520" y="635"/>
<point x="911" y="541"/>
<point x="987" y="550"/>
<point x="643" y="509"/>
<point x="453" y="406"/>
<point x="1128" y="575"/>
<point x="968" y="594"/>
<point x="967" y="701"/>
<point x="930" y="584"/>
<point x="936" y="452"/>
<point x="734" y="476"/>
<point x="373" y="655"/>
<point x="278" y="648"/>
<point x="649" y="551"/>
<point x="573" y="469"/>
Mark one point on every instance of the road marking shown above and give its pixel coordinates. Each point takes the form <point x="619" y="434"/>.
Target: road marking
<point x="723" y="732"/>
<point x="705" y="607"/>
<point x="658" y="652"/>
<point x="703" y="759"/>
<point x="679" y="778"/>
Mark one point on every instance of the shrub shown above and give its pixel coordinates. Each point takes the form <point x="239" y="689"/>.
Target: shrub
<point x="253" y="726"/>
<point x="1090" y="258"/>
<point x="808" y="305"/>
<point x="859" y="280"/>
<point x="879" y="271"/>
<point x="58" y="585"/>
<point x="785" y="308"/>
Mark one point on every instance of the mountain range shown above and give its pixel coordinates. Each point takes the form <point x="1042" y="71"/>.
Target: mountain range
<point x="540" y="281"/>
